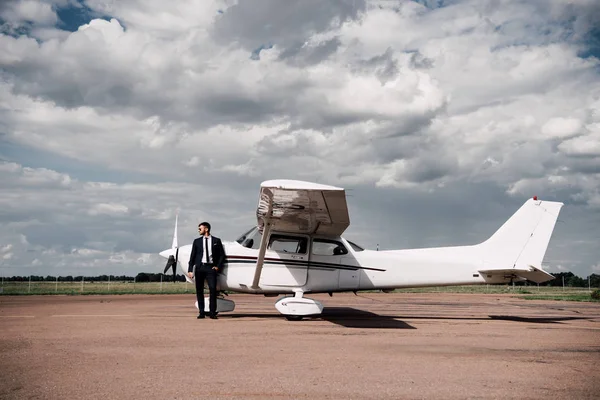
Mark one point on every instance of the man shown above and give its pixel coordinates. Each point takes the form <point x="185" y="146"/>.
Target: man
<point x="208" y="257"/>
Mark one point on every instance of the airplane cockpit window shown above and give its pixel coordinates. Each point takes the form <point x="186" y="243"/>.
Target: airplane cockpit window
<point x="324" y="247"/>
<point x="288" y="244"/>
<point x="241" y="239"/>
<point x="251" y="239"/>
<point x="354" y="246"/>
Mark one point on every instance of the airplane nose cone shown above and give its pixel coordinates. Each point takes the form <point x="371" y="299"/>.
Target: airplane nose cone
<point x="167" y="253"/>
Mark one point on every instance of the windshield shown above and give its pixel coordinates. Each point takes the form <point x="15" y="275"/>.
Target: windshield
<point x="251" y="239"/>
<point x="241" y="239"/>
<point x="354" y="246"/>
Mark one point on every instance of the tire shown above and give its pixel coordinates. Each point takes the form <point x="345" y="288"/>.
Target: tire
<point x="294" y="317"/>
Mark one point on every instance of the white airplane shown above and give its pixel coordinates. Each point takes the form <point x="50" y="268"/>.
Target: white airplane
<point x="297" y="248"/>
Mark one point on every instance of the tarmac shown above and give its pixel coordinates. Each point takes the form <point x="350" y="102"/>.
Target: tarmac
<point x="370" y="346"/>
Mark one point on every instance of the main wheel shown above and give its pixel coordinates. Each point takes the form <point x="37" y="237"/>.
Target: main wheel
<point x="294" y="317"/>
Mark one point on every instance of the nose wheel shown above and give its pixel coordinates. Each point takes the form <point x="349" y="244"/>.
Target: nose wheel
<point x="296" y="307"/>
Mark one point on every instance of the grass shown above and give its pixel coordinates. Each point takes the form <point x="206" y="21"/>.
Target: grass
<point x="117" y="287"/>
<point x="564" y="297"/>
<point x="77" y="288"/>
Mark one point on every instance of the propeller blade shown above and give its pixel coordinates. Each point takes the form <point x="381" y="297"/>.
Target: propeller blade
<point x="175" y="265"/>
<point x="172" y="259"/>
<point x="175" y="245"/>
<point x="170" y="263"/>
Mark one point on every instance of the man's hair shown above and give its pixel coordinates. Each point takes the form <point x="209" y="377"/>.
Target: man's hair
<point x="206" y="224"/>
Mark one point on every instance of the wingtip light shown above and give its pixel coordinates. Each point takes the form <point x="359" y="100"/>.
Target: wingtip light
<point x="535" y="198"/>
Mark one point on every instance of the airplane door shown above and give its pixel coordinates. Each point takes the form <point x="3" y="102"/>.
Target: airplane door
<point x="333" y="253"/>
<point x="350" y="275"/>
<point x="286" y="260"/>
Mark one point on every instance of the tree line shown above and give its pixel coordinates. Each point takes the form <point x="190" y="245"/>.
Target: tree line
<point x="569" y="279"/>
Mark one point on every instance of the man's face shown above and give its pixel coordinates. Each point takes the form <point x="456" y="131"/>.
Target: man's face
<point x="202" y="230"/>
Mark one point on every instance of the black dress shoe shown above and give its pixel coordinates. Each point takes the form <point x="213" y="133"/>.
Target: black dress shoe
<point x="213" y="317"/>
<point x="200" y="316"/>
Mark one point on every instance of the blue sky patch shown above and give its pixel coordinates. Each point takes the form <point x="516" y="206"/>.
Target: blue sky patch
<point x="256" y="53"/>
<point x="70" y="18"/>
<point x="73" y="16"/>
<point x="591" y="44"/>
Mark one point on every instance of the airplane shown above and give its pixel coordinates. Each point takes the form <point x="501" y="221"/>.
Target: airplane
<point x="297" y="248"/>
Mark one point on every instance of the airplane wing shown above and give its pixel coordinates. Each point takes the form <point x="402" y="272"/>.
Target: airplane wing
<point x="298" y="207"/>
<point x="303" y="207"/>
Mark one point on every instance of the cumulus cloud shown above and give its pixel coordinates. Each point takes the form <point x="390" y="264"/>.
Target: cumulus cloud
<point x="561" y="127"/>
<point x="153" y="107"/>
<point x="81" y="225"/>
<point x="20" y="12"/>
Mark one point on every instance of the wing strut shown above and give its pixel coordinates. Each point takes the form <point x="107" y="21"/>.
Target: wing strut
<point x="264" y="240"/>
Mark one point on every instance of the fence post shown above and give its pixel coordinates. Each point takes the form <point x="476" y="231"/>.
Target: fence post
<point x="81" y="283"/>
<point x="108" y="284"/>
<point x="29" y="289"/>
<point x="161" y="275"/>
<point x="56" y="285"/>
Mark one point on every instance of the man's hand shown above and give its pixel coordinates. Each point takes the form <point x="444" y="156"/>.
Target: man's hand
<point x="191" y="275"/>
<point x="216" y="269"/>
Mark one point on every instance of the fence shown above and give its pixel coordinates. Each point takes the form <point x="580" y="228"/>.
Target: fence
<point x="91" y="287"/>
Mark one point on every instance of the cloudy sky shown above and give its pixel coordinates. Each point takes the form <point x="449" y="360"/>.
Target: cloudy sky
<point x="440" y="118"/>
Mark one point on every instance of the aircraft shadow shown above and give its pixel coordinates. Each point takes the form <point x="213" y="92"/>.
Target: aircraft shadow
<point x="536" y="320"/>
<point x="354" y="318"/>
<point x="343" y="316"/>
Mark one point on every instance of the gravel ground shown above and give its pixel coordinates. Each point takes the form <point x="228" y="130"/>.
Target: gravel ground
<point x="371" y="346"/>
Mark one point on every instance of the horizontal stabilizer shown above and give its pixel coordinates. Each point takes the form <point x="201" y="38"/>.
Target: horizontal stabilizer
<point x="531" y="273"/>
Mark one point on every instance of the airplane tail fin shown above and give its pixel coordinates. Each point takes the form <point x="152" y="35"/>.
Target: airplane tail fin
<point x="520" y="244"/>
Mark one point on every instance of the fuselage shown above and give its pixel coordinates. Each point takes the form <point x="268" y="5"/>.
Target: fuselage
<point x="314" y="264"/>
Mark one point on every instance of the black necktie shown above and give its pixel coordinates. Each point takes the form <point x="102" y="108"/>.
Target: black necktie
<point x="206" y="249"/>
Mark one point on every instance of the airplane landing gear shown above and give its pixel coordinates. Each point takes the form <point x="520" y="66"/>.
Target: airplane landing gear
<point x="294" y="308"/>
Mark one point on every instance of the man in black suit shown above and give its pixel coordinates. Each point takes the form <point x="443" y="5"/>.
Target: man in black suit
<point x="208" y="256"/>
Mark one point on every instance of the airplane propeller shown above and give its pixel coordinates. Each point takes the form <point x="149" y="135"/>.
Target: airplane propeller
<point x="173" y="259"/>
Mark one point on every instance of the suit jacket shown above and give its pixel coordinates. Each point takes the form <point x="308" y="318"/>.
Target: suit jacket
<point x="218" y="253"/>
